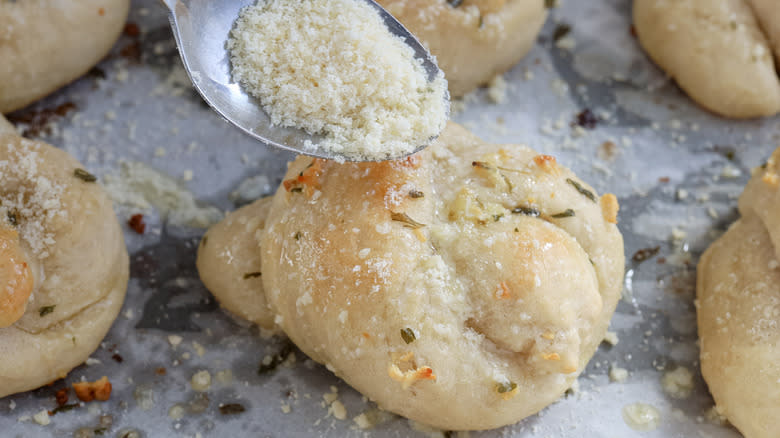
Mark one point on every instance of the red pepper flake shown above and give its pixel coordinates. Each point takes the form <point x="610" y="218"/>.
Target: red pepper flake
<point x="161" y="371"/>
<point x="632" y="31"/>
<point x="587" y="119"/>
<point x="132" y="30"/>
<point x="101" y="11"/>
<point x="117" y="358"/>
<point x="663" y="179"/>
<point x="425" y="373"/>
<point x="61" y="396"/>
<point x="136" y="222"/>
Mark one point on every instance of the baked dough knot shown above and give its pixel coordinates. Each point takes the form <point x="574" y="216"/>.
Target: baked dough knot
<point x="63" y="263"/>
<point x="471" y="271"/>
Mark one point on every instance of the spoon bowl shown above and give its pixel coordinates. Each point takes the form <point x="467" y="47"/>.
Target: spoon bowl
<point x="201" y="29"/>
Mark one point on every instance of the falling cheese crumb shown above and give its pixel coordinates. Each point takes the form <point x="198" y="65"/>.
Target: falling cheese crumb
<point x="332" y="67"/>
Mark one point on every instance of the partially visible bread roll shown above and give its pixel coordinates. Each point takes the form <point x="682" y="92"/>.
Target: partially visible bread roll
<point x="56" y="220"/>
<point x="45" y="44"/>
<point x="716" y="51"/>
<point x="473" y="40"/>
<point x="738" y="291"/>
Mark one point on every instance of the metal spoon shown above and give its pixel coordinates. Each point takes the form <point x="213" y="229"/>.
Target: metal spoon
<point x="201" y="28"/>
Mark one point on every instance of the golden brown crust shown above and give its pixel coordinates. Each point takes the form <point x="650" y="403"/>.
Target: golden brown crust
<point x="15" y="276"/>
<point x="610" y="207"/>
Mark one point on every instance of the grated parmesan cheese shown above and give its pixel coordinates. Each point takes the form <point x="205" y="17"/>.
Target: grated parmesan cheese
<point x="140" y="187"/>
<point x="641" y="416"/>
<point x="31" y="197"/>
<point x="332" y="67"/>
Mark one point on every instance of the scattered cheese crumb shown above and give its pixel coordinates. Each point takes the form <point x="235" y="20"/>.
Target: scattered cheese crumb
<point x="678" y="234"/>
<point x="42" y="418"/>
<point x="730" y="172"/>
<point x="362" y="421"/>
<point x="497" y="89"/>
<point x="332" y="67"/>
<point x="611" y="338"/>
<point x="641" y="416"/>
<point x="330" y="397"/>
<point x="176" y="412"/>
<point x="566" y="43"/>
<point x="201" y="381"/>
<point x="678" y="383"/>
<point x="174" y="340"/>
<point x="140" y="187"/>
<point x="617" y="374"/>
<point x="338" y="410"/>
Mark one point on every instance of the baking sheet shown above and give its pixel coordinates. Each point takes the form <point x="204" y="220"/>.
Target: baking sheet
<point x="676" y="169"/>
